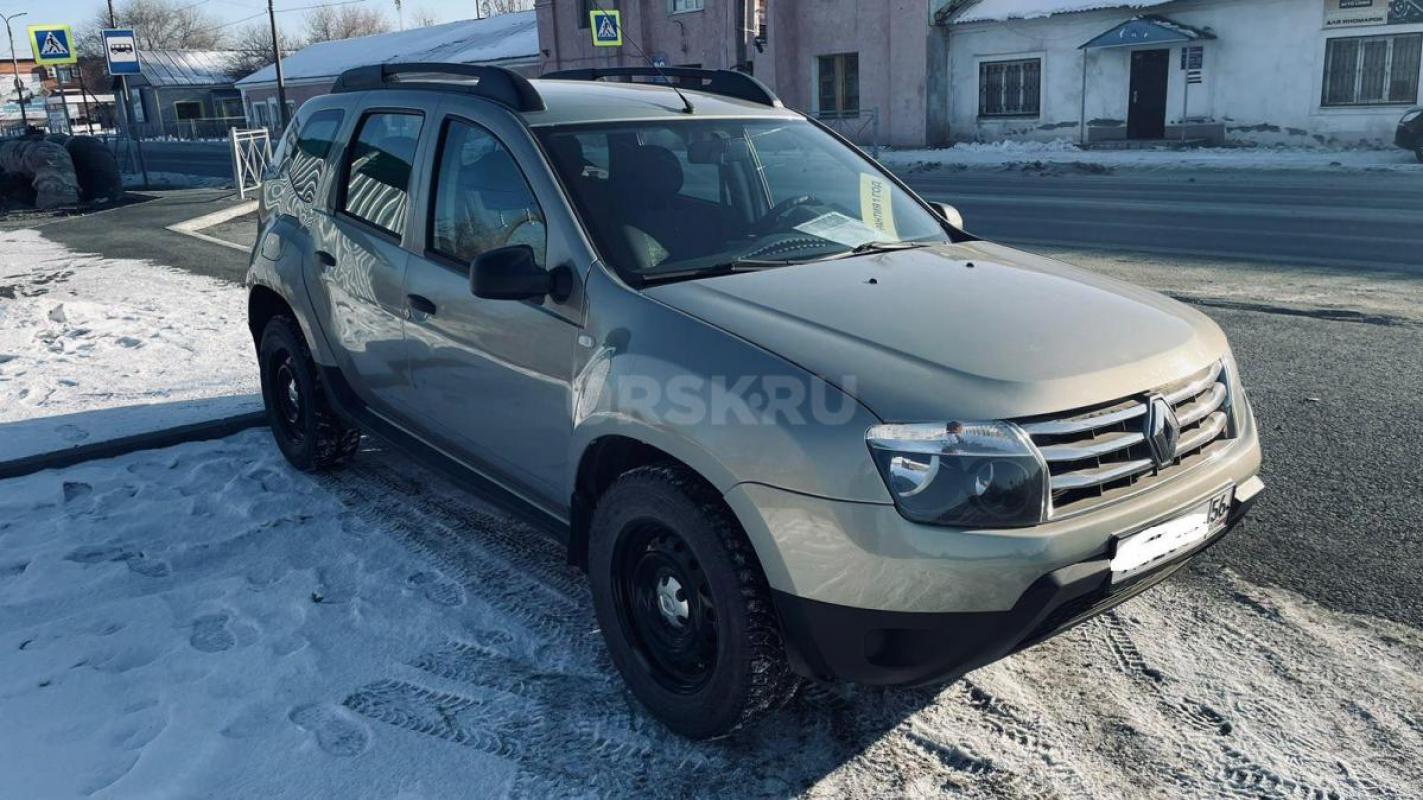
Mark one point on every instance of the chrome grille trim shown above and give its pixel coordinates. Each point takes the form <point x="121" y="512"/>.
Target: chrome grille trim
<point x="1099" y="475"/>
<point x="1099" y="455"/>
<point x="1085" y="422"/>
<point x="1092" y="448"/>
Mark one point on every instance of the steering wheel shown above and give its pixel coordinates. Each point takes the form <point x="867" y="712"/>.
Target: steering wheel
<point x="773" y="218"/>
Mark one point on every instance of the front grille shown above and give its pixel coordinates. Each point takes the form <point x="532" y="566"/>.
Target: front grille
<point x="1099" y="454"/>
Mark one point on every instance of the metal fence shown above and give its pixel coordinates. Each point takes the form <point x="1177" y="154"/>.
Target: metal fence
<point x="860" y="127"/>
<point x="251" y="153"/>
<point x="208" y="128"/>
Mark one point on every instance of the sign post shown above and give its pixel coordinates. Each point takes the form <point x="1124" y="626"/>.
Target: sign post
<point x="607" y="27"/>
<point x="121" y="55"/>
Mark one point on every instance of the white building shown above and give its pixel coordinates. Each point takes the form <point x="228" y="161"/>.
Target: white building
<point x="1335" y="72"/>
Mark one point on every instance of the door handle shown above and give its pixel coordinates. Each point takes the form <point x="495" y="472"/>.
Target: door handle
<point x="325" y="259"/>
<point x="422" y="304"/>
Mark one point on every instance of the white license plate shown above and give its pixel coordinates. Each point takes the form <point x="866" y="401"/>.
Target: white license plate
<point x="1145" y="549"/>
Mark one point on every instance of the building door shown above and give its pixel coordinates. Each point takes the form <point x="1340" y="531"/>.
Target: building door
<point x="1146" y="113"/>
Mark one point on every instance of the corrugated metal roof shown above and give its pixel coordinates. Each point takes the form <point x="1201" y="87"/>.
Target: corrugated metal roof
<point x="185" y="67"/>
<point x="504" y="37"/>
<point x="1003" y="10"/>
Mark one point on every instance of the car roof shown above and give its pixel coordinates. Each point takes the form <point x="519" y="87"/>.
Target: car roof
<point x="575" y="102"/>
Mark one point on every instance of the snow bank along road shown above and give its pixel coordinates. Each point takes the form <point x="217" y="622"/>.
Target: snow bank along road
<point x="203" y="622"/>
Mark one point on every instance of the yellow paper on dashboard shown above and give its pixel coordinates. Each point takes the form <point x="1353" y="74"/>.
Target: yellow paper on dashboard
<point x="877" y="205"/>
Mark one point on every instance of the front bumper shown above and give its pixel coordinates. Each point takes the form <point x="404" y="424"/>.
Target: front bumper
<point x="829" y="641"/>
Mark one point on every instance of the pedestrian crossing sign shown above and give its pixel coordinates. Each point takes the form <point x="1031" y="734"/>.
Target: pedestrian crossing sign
<point x="52" y="45"/>
<point x="607" y="28"/>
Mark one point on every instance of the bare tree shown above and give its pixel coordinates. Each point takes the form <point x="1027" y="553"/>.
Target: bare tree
<point x="489" y="8"/>
<point x="329" y="23"/>
<point x="251" y="47"/>
<point x="159" y="25"/>
<point x="423" y="17"/>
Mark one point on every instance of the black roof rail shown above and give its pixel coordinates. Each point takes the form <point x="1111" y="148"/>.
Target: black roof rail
<point x="496" y="83"/>
<point x="725" y="82"/>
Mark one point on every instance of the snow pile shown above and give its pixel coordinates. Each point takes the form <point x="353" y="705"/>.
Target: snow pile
<point x="204" y="622"/>
<point x="498" y="38"/>
<point x="78" y="332"/>
<point x="1002" y="10"/>
<point x="1014" y="153"/>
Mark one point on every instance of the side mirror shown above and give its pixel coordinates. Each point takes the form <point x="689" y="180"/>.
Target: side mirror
<point x="950" y="214"/>
<point x="512" y="273"/>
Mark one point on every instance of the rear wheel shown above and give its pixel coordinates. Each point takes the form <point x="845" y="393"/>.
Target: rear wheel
<point x="683" y="604"/>
<point x="307" y="430"/>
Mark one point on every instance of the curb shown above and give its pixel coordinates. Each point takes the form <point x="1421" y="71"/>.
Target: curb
<point x="153" y="440"/>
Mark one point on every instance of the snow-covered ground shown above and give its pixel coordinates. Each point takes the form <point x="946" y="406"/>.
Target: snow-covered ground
<point x="80" y="333"/>
<point x="202" y="621"/>
<point x="1063" y="152"/>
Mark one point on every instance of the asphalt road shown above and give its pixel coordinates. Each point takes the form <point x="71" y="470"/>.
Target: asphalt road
<point x="1335" y="219"/>
<point x="204" y="159"/>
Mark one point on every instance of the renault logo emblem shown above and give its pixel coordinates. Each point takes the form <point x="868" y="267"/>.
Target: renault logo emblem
<point x="1163" y="431"/>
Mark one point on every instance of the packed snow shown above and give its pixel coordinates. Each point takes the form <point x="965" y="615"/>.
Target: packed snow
<point x="1003" y="10"/>
<point x="1018" y="154"/>
<point x="79" y="333"/>
<point x="471" y="41"/>
<point x="202" y="621"/>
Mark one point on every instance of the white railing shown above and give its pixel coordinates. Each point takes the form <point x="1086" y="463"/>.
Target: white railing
<point x="251" y="153"/>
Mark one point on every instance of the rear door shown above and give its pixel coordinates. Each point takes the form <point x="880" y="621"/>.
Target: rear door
<point x="492" y="377"/>
<point x="360" y="265"/>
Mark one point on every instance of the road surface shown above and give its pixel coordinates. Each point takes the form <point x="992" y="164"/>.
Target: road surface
<point x="1353" y="220"/>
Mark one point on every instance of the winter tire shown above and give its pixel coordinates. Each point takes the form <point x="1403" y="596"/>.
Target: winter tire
<point x="683" y="604"/>
<point x="307" y="430"/>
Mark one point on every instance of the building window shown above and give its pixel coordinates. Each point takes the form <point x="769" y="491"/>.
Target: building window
<point x="838" y="85"/>
<point x="682" y="6"/>
<point x="188" y="109"/>
<point x="586" y="6"/>
<point x="1372" y="70"/>
<point x="1010" y="88"/>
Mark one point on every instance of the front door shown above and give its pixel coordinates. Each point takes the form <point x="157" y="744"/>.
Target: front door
<point x="491" y="377"/>
<point x="1146" y="114"/>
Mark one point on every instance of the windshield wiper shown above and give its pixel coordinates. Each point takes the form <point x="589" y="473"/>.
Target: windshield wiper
<point x="729" y="268"/>
<point x="884" y="247"/>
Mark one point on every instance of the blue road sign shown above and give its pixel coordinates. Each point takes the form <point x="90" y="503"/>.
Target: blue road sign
<point x="121" y="51"/>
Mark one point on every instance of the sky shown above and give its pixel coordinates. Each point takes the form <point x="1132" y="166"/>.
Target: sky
<point x="78" y="13"/>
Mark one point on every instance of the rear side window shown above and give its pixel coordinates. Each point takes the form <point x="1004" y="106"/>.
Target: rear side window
<point x="378" y="169"/>
<point x="307" y="156"/>
<point x="482" y="201"/>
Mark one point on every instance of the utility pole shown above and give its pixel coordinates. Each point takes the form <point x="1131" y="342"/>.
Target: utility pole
<point x="276" y="61"/>
<point x="15" y="65"/>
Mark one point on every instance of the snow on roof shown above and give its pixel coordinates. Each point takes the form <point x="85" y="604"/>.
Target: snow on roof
<point x="185" y="67"/>
<point x="471" y="41"/>
<point x="1002" y="10"/>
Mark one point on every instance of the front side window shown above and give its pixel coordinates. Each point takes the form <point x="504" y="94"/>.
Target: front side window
<point x="1010" y="88"/>
<point x="482" y="201"/>
<point x="838" y="85"/>
<point x="378" y="169"/>
<point x="1372" y="70"/>
<point x="306" y="155"/>
<point x="675" y="199"/>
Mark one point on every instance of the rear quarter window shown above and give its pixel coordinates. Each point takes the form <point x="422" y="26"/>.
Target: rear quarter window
<point x="308" y="154"/>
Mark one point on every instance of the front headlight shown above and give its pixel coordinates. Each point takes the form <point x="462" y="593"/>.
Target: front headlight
<point x="964" y="474"/>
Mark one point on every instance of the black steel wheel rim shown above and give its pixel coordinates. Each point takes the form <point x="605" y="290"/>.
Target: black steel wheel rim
<point x="664" y="607"/>
<point x="286" y="396"/>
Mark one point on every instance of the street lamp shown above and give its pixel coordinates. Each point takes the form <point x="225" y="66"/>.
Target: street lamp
<point x="15" y="65"/>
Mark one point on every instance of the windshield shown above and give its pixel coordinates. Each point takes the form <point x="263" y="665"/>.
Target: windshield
<point x="689" y="197"/>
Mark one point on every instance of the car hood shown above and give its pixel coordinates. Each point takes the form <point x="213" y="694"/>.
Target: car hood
<point x="970" y="331"/>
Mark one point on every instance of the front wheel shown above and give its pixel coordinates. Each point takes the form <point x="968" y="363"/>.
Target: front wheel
<point x="307" y="430"/>
<point x="683" y="604"/>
